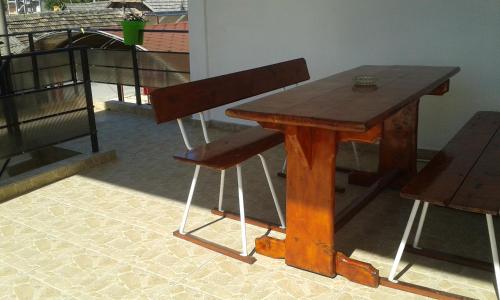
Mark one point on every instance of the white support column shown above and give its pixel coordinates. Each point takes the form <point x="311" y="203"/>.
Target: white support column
<point x="402" y="245"/>
<point x="5" y="48"/>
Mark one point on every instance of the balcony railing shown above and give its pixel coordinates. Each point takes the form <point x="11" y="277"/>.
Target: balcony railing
<point x="45" y="99"/>
<point x="128" y="66"/>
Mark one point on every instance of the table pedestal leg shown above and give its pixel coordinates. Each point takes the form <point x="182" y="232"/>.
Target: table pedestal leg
<point x="310" y="209"/>
<point x="398" y="148"/>
<point x="310" y="206"/>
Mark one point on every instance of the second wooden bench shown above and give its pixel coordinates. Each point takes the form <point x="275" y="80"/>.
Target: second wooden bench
<point x="465" y="176"/>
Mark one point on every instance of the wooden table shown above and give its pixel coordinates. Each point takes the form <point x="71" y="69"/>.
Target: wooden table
<point x="314" y="118"/>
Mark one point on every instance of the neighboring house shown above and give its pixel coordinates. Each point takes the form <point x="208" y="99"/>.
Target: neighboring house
<point x="167" y="7"/>
<point x="156" y="11"/>
<point x="15" y="7"/>
<point x="159" y="11"/>
<point x="86" y="6"/>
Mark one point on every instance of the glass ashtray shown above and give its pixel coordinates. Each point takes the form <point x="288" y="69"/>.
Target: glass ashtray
<point x="365" y="80"/>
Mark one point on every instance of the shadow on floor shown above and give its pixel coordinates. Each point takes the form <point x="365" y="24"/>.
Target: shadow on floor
<point x="146" y="165"/>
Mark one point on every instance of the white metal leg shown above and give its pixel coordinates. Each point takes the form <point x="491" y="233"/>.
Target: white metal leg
<point x="221" y="189"/>
<point x="190" y="198"/>
<point x="421" y="221"/>
<point x="283" y="169"/>
<point x="402" y="245"/>
<point x="494" y="250"/>
<point x="273" y="192"/>
<point x="356" y="155"/>
<point x="242" y="212"/>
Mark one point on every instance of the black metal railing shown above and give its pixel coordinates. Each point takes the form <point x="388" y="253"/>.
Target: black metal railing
<point x="45" y="99"/>
<point x="126" y="67"/>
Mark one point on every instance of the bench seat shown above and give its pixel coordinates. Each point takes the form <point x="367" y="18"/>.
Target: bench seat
<point x="465" y="175"/>
<point x="233" y="149"/>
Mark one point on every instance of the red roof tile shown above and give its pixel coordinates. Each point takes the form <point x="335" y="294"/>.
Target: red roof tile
<point x="165" y="41"/>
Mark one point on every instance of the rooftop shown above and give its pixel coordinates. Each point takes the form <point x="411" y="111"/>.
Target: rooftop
<point x="87" y="6"/>
<point x="107" y="233"/>
<point x="164" y="41"/>
<point x="97" y="18"/>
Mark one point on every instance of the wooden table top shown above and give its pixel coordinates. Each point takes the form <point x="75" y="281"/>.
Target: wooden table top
<point x="334" y="103"/>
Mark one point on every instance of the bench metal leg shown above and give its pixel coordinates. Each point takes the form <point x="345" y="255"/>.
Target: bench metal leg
<point x="420" y="225"/>
<point x="283" y="170"/>
<point x="356" y="155"/>
<point x="242" y="212"/>
<point x="402" y="245"/>
<point x="273" y="192"/>
<point x="190" y="198"/>
<point x="221" y="189"/>
<point x="494" y="250"/>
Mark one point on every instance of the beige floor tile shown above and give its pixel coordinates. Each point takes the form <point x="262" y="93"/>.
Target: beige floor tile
<point x="107" y="233"/>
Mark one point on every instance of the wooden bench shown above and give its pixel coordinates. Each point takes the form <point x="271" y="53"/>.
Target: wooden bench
<point x="183" y="100"/>
<point x="465" y="175"/>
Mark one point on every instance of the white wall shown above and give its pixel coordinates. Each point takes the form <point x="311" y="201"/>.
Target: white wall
<point x="335" y="35"/>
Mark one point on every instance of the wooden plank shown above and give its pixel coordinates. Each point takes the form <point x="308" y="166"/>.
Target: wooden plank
<point x="248" y="220"/>
<point x="232" y="149"/>
<point x="270" y="247"/>
<point x="480" y="191"/>
<point x="310" y="205"/>
<point x="356" y="271"/>
<point x="182" y="100"/>
<point x="420" y="290"/>
<point x="333" y="103"/>
<point x="338" y="189"/>
<point x="215" y="247"/>
<point x="440" y="179"/>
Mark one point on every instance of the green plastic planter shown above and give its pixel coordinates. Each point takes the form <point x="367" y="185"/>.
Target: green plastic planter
<point x="132" y="34"/>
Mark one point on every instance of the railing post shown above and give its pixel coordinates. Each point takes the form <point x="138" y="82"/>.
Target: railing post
<point x="71" y="54"/>
<point x="119" y="89"/>
<point x="9" y="106"/>
<point x="34" y="62"/>
<point x="137" y="82"/>
<point x="88" y="98"/>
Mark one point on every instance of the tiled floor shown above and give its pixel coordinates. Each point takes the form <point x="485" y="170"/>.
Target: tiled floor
<point x="107" y="233"/>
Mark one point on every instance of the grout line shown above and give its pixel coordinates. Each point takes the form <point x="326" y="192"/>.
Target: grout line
<point x="35" y="278"/>
<point x="89" y="249"/>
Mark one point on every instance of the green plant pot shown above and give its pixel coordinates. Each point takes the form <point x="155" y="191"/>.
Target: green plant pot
<point x="132" y="32"/>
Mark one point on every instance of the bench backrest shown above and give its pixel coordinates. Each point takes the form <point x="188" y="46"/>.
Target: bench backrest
<point x="182" y="100"/>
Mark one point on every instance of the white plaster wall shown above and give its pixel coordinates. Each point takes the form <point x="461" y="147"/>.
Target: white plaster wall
<point x="335" y="35"/>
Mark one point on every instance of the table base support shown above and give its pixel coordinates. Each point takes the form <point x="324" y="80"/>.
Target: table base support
<point x="356" y="271"/>
<point x="270" y="247"/>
